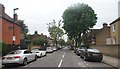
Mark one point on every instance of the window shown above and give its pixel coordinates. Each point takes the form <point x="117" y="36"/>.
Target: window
<point x="27" y="52"/>
<point x="114" y="41"/>
<point x="113" y="28"/>
<point x="10" y="28"/>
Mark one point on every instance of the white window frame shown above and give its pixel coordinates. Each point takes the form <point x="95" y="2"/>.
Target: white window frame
<point x="114" y="41"/>
<point x="113" y="28"/>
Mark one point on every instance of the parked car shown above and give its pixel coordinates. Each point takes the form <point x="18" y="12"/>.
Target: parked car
<point x="71" y="47"/>
<point x="59" y="47"/>
<point x="54" y="48"/>
<point x="39" y="52"/>
<point x="18" y="57"/>
<point x="91" y="54"/>
<point x="77" y="51"/>
<point x="49" y="50"/>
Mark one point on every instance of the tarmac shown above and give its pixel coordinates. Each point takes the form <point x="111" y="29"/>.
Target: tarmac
<point x="112" y="61"/>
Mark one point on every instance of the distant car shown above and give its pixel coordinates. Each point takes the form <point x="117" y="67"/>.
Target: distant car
<point x="59" y="47"/>
<point x="39" y="52"/>
<point x="91" y="54"/>
<point x="54" y="48"/>
<point x="49" y="50"/>
<point x="71" y="47"/>
<point x="18" y="57"/>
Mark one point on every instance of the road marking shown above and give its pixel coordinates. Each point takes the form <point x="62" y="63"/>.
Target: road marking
<point x="87" y="64"/>
<point x="84" y="62"/>
<point x="60" y="63"/>
<point x="61" y="60"/>
<point x="84" y="66"/>
<point x="63" y="56"/>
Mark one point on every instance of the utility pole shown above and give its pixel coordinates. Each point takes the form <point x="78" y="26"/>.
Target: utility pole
<point x="14" y="38"/>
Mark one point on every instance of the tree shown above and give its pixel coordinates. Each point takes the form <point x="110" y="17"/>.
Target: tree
<point x="61" y="42"/>
<point x="55" y="31"/>
<point x="78" y="19"/>
<point x="40" y="41"/>
<point x="69" y="42"/>
<point x="23" y="27"/>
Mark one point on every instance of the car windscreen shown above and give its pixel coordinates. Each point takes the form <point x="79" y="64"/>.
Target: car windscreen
<point x="93" y="50"/>
<point x="42" y="49"/>
<point x="15" y="52"/>
<point x="49" y="48"/>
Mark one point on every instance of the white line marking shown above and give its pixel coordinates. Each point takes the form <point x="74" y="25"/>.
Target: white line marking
<point x="87" y="64"/>
<point x="64" y="53"/>
<point x="84" y="66"/>
<point x="79" y="64"/>
<point x="63" y="56"/>
<point x="60" y="63"/>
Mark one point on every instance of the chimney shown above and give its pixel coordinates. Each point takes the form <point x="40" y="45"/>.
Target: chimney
<point x="105" y="25"/>
<point x="15" y="17"/>
<point x="2" y="9"/>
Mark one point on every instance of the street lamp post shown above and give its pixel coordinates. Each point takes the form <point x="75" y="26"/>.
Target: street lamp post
<point x="13" y="38"/>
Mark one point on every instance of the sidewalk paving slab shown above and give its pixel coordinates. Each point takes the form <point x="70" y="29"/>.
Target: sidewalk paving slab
<point x="112" y="61"/>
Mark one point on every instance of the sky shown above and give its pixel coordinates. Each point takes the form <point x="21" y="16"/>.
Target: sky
<point x="37" y="13"/>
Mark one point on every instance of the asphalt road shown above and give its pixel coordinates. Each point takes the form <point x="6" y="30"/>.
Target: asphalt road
<point x="62" y="58"/>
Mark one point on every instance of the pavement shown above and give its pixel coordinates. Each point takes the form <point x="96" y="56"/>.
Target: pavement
<point x="112" y="61"/>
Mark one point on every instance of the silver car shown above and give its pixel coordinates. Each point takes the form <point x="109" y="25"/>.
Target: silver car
<point x="19" y="57"/>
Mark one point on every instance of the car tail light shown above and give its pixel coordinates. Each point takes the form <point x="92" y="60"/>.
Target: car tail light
<point x="17" y="57"/>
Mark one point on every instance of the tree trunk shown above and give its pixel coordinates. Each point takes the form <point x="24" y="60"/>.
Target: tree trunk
<point x="76" y="43"/>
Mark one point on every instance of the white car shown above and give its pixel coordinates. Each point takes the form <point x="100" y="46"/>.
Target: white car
<point x="19" y="57"/>
<point x="49" y="50"/>
<point x="39" y="52"/>
<point x="54" y="48"/>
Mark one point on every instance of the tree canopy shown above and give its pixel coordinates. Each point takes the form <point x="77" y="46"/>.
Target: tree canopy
<point x="62" y="42"/>
<point x="55" y="31"/>
<point x="40" y="41"/>
<point x="78" y="19"/>
<point x="23" y="27"/>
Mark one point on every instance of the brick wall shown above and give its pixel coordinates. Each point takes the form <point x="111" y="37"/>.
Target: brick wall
<point x="109" y="50"/>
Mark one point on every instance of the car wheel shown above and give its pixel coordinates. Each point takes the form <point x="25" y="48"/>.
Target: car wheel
<point x="40" y="55"/>
<point x="35" y="58"/>
<point x="25" y="61"/>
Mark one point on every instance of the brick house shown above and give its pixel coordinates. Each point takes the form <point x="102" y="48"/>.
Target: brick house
<point x="36" y="36"/>
<point x="99" y="36"/>
<point x="107" y="39"/>
<point x="115" y="31"/>
<point x="6" y="28"/>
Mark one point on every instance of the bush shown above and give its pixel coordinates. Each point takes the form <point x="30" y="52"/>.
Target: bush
<point x="3" y="46"/>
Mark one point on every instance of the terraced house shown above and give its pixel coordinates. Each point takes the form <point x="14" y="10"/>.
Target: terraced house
<point x="106" y="39"/>
<point x="9" y="29"/>
<point x="115" y="32"/>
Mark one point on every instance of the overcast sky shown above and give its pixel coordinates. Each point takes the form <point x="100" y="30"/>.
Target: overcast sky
<point x="37" y="13"/>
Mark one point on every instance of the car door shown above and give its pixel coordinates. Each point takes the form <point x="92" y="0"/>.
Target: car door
<point x="28" y="54"/>
<point x="32" y="56"/>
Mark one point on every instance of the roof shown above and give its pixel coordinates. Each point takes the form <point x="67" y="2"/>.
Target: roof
<point x="118" y="19"/>
<point x="5" y="16"/>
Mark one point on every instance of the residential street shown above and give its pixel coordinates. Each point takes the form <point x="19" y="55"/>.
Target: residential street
<point x="62" y="58"/>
